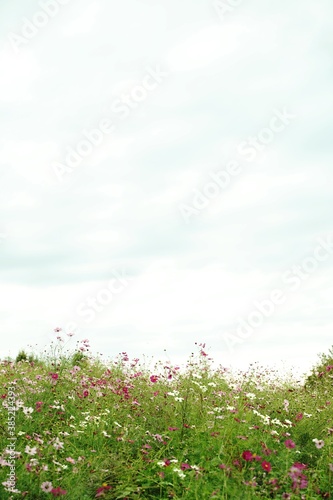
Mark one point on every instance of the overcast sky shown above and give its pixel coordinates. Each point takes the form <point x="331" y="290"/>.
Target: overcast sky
<point x="164" y="166"/>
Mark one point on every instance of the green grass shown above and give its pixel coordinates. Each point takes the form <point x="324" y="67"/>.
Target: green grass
<point x="119" y="431"/>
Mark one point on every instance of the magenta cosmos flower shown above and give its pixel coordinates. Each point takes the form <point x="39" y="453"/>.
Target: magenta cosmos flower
<point x="247" y="455"/>
<point x="266" y="466"/>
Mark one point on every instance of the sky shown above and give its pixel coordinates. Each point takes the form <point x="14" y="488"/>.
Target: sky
<point x="166" y="178"/>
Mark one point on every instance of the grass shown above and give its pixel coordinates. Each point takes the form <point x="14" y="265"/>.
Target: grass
<point x="85" y="430"/>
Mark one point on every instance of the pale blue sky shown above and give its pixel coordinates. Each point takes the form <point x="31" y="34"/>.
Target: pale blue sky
<point x="224" y="78"/>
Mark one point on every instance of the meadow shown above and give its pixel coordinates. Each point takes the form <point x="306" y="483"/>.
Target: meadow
<point x="75" y="427"/>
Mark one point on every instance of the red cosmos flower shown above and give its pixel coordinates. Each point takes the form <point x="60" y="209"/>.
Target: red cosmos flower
<point x="299" y="416"/>
<point x="289" y="443"/>
<point x="247" y="455"/>
<point x="85" y="394"/>
<point x="54" y="376"/>
<point x="153" y="378"/>
<point x="57" y="492"/>
<point x="266" y="466"/>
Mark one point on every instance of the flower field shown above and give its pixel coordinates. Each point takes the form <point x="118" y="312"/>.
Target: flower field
<point x="77" y="428"/>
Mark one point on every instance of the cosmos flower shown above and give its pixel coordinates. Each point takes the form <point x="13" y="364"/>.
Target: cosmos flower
<point x="266" y="466"/>
<point x="289" y="443"/>
<point x="319" y="443"/>
<point x="46" y="487"/>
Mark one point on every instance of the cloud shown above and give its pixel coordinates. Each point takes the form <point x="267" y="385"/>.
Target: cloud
<point x="204" y="48"/>
<point x="19" y="72"/>
<point x="84" y="23"/>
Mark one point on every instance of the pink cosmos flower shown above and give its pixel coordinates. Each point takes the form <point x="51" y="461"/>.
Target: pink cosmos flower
<point x="289" y="443"/>
<point x="319" y="443"/>
<point x="153" y="378"/>
<point x="185" y="466"/>
<point x="57" y="492"/>
<point x="46" y="487"/>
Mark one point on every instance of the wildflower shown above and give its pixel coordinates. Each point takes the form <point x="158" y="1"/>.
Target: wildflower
<point x="319" y="443"/>
<point x="58" y="444"/>
<point x="100" y="491"/>
<point x="286" y="496"/>
<point x="330" y="466"/>
<point x="56" y="492"/>
<point x="46" y="487"/>
<point x="57" y="330"/>
<point x="247" y="455"/>
<point x="153" y="378"/>
<point x="179" y="472"/>
<point x="266" y="466"/>
<point x="298" y="478"/>
<point x="71" y="460"/>
<point x="298" y="466"/>
<point x="39" y="405"/>
<point x="185" y="466"/>
<point x="289" y="444"/>
<point x="30" y="451"/>
<point x="27" y="411"/>
<point x="173" y="428"/>
<point x="299" y="416"/>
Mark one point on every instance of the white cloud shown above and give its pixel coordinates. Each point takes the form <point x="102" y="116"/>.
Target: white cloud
<point x="31" y="160"/>
<point x="84" y="23"/>
<point x="18" y="72"/>
<point x="205" y="47"/>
